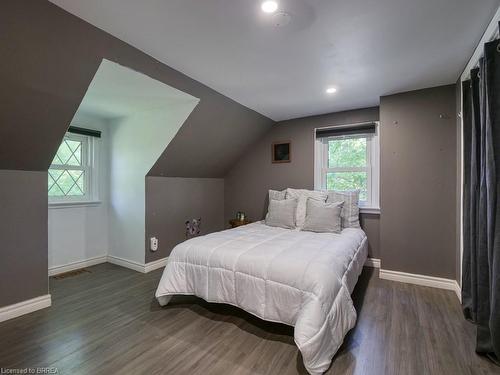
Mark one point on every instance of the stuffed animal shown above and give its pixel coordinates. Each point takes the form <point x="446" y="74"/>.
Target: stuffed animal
<point x="193" y="228"/>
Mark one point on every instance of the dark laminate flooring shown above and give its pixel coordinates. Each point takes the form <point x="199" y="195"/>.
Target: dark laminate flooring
<point x="107" y="322"/>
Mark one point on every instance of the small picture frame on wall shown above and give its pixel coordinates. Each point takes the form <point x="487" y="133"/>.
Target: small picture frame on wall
<point x="281" y="152"/>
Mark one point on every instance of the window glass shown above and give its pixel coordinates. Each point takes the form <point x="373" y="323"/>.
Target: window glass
<point x="345" y="181"/>
<point x="69" y="153"/>
<point x="66" y="182"/>
<point x="68" y="174"/>
<point x="347" y="165"/>
<point x="347" y="152"/>
<point x="347" y="162"/>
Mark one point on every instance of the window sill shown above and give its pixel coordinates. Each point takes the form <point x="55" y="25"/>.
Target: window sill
<point x="369" y="210"/>
<point x="74" y="204"/>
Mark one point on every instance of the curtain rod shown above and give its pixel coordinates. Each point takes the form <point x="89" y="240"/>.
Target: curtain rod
<point x="493" y="37"/>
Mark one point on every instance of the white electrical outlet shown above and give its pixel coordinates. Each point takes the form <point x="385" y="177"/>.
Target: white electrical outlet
<point x="153" y="243"/>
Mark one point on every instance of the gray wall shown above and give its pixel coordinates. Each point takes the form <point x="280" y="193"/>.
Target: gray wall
<point x="417" y="230"/>
<point x="171" y="201"/>
<point x="250" y="178"/>
<point x="23" y="236"/>
<point x="210" y="140"/>
<point x="49" y="58"/>
<point x="418" y="182"/>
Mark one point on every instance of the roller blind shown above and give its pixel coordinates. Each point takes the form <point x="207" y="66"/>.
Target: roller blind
<point x="357" y="129"/>
<point x="83" y="131"/>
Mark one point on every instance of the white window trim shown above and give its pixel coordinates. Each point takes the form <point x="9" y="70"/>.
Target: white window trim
<point x="90" y="154"/>
<point x="373" y="170"/>
<point x="56" y="205"/>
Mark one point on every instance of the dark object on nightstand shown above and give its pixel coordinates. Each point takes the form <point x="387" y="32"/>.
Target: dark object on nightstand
<point x="237" y="223"/>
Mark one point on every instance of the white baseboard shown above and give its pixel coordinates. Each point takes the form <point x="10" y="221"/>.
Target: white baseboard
<point x="136" y="266"/>
<point x="24" y="307"/>
<point x="372" y="262"/>
<point x="431" y="281"/>
<point x="151" y="266"/>
<point x="57" y="270"/>
<point x="458" y="291"/>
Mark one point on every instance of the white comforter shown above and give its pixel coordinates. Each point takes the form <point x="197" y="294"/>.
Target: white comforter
<point x="299" y="278"/>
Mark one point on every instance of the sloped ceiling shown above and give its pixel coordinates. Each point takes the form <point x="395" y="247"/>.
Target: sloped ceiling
<point x="49" y="58"/>
<point x="367" y="48"/>
<point x="117" y="92"/>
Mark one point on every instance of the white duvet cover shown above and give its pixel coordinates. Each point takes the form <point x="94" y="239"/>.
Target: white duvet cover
<point x="299" y="278"/>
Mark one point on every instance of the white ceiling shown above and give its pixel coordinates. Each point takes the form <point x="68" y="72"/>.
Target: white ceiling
<point x="117" y="91"/>
<point x="366" y="48"/>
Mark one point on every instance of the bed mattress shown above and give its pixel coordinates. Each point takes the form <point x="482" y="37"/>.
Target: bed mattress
<point x="299" y="278"/>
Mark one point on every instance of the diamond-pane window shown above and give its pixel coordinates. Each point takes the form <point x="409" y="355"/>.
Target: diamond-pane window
<point x="69" y="173"/>
<point x="69" y="153"/>
<point x="66" y="182"/>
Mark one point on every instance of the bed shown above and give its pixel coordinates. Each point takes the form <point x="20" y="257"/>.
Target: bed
<point x="303" y="279"/>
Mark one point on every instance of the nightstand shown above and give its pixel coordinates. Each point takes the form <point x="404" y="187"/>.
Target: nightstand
<point x="237" y="223"/>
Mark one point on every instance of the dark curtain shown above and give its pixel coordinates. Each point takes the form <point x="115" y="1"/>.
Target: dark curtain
<point x="481" y="221"/>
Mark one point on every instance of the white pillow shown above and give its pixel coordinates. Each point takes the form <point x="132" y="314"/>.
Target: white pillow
<point x="301" y="195"/>
<point x="277" y="195"/>
<point x="281" y="213"/>
<point x="350" y="210"/>
<point x="323" y="217"/>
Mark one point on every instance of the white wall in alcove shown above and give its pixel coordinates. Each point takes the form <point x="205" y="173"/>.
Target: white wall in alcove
<point x="79" y="233"/>
<point x="139" y="116"/>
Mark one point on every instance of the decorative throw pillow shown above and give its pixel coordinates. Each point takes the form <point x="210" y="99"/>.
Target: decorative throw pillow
<point x="301" y="195"/>
<point x="277" y="195"/>
<point x="323" y="217"/>
<point x="281" y="213"/>
<point x="350" y="210"/>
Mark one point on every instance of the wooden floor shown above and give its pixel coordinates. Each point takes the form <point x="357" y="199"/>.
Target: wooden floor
<point x="107" y="322"/>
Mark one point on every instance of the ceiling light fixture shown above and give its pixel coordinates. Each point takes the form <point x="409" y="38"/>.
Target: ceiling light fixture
<point x="269" y="6"/>
<point x="331" y="90"/>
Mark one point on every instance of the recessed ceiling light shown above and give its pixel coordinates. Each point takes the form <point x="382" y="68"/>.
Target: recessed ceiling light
<point x="269" y="6"/>
<point x="331" y="90"/>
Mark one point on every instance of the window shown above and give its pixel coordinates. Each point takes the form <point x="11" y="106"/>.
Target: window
<point x="349" y="160"/>
<point x="71" y="174"/>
